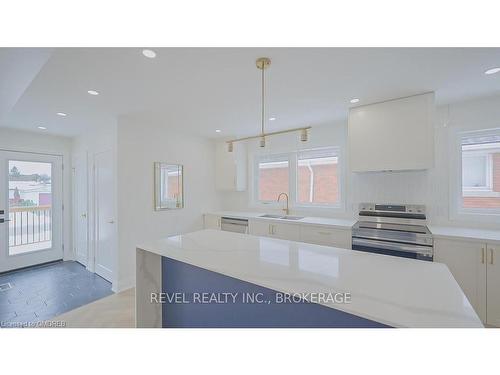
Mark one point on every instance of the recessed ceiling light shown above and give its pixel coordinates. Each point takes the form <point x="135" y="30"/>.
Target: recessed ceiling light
<point x="272" y="118"/>
<point x="492" y="71"/>
<point x="217" y="130"/>
<point x="355" y="100"/>
<point x="42" y="127"/>
<point x="93" y="92"/>
<point x="149" y="53"/>
<point x="61" y="114"/>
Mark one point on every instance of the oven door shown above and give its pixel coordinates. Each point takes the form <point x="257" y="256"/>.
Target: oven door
<point x="393" y="248"/>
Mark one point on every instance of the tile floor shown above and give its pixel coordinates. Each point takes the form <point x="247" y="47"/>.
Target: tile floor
<point x="41" y="293"/>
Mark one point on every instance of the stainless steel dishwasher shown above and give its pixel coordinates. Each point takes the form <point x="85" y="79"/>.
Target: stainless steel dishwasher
<point x="231" y="224"/>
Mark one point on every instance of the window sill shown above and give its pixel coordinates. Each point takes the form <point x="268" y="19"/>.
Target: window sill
<point x="481" y="193"/>
<point x="298" y="208"/>
<point x="472" y="215"/>
<point x="317" y="207"/>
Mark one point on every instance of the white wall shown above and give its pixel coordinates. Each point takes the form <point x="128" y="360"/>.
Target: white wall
<point x="141" y="142"/>
<point x="17" y="140"/>
<point x="430" y="187"/>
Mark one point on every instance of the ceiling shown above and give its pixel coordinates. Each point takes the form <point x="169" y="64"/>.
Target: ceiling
<point x="204" y="89"/>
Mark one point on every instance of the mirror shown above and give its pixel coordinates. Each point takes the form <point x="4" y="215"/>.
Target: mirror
<point x="168" y="186"/>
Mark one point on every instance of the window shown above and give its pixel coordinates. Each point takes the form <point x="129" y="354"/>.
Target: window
<point x="481" y="170"/>
<point x="273" y="177"/>
<point x="317" y="177"/>
<point x="310" y="177"/>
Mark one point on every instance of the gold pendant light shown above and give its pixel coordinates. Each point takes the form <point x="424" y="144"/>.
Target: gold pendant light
<point x="263" y="63"/>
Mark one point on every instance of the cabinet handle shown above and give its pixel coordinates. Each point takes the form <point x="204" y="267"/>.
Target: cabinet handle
<point x="324" y="233"/>
<point x="273" y="229"/>
<point x="491" y="254"/>
<point x="269" y="229"/>
<point x="482" y="255"/>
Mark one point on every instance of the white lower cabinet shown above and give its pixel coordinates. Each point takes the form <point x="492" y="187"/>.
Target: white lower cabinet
<point x="272" y="229"/>
<point x="476" y="268"/>
<point x="211" y="221"/>
<point x="326" y="236"/>
<point x="493" y="285"/>
<point x="467" y="265"/>
<point x="315" y="234"/>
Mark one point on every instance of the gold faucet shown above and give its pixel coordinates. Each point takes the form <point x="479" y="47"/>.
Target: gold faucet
<point x="287" y="211"/>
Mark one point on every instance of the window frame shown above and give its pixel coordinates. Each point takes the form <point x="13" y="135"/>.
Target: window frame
<point x="293" y="157"/>
<point x="457" y="210"/>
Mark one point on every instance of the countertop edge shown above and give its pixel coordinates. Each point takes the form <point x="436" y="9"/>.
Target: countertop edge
<point x="468" y="234"/>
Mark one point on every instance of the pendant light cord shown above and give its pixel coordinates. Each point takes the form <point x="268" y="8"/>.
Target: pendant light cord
<point x="263" y="93"/>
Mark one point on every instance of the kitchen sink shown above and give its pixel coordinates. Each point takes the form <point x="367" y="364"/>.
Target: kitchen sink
<point x="286" y="217"/>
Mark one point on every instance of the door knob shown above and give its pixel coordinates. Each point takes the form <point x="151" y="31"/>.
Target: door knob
<point x="111" y="221"/>
<point x="84" y="215"/>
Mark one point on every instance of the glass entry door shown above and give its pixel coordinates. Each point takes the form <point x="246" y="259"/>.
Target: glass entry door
<point x="30" y="209"/>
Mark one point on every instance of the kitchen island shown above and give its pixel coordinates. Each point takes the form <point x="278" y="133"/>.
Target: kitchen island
<point x="212" y="278"/>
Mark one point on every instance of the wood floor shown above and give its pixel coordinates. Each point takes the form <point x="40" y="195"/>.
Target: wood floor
<point x="115" y="311"/>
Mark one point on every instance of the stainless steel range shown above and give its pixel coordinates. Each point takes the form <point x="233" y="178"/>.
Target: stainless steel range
<point x="393" y="229"/>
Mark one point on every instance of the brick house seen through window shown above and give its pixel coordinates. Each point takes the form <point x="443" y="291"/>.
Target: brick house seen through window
<point x="273" y="179"/>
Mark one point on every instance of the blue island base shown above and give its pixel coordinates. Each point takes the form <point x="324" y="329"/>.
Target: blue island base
<point x="197" y="298"/>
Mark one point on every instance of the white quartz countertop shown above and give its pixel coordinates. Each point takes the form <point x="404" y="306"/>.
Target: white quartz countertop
<point x="312" y="220"/>
<point x="395" y="291"/>
<point x="465" y="233"/>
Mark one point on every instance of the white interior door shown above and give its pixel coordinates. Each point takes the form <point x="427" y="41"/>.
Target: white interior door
<point x="104" y="203"/>
<point x="30" y="209"/>
<point x="80" y="209"/>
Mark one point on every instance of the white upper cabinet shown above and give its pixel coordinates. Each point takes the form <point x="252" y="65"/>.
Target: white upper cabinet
<point x="393" y="135"/>
<point x="231" y="167"/>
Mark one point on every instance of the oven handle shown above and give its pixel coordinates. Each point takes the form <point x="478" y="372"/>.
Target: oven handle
<point x="423" y="250"/>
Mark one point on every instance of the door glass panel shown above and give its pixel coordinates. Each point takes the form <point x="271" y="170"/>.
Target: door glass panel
<point x="30" y="206"/>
